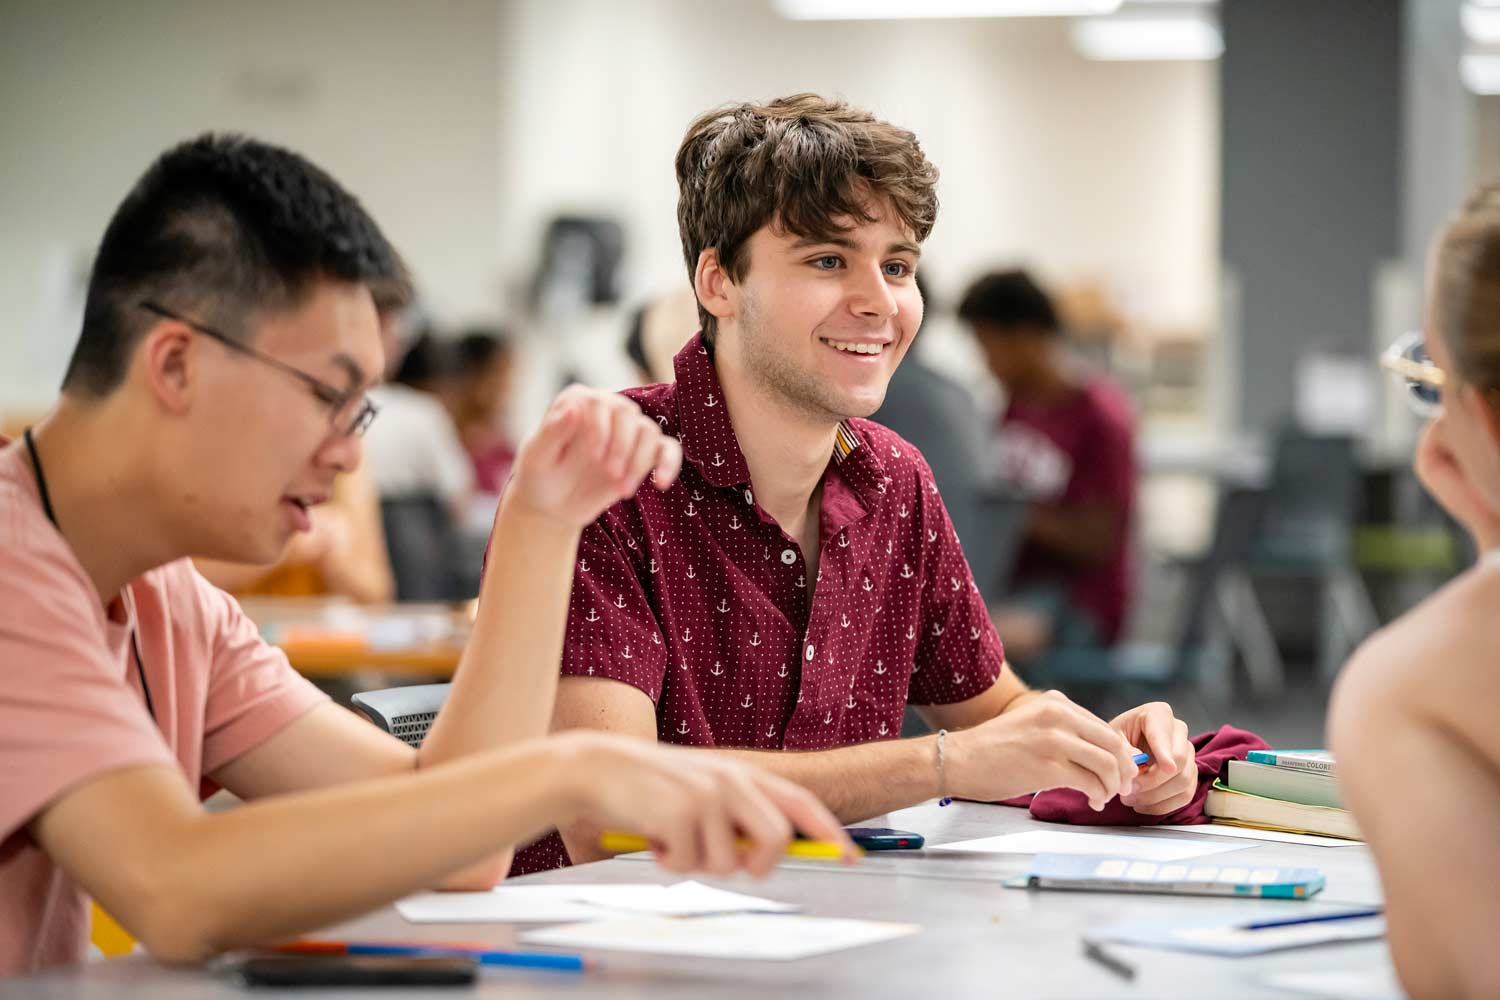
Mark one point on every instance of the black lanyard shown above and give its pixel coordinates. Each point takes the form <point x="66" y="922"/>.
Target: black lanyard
<point x="41" y="488"/>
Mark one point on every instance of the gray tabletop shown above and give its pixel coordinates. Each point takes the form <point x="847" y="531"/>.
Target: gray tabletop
<point x="978" y="939"/>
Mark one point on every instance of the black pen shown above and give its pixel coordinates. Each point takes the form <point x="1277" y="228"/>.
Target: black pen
<point x="1115" y="964"/>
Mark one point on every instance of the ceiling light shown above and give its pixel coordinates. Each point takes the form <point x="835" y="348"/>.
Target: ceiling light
<point x="1143" y="37"/>
<point x="1480" y="72"/>
<point x="845" y="10"/>
<point x="1481" y="24"/>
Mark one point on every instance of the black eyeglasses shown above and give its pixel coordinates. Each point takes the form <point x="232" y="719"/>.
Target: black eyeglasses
<point x="337" y="400"/>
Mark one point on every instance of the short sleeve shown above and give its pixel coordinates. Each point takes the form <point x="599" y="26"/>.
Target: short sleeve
<point x="958" y="654"/>
<point x="612" y="630"/>
<point x="66" y="711"/>
<point x="253" y="693"/>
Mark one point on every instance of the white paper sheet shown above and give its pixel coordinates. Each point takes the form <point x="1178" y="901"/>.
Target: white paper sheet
<point x="519" y="905"/>
<point x="1249" y="833"/>
<point x="554" y="904"/>
<point x="1093" y="844"/>
<point x="760" y="937"/>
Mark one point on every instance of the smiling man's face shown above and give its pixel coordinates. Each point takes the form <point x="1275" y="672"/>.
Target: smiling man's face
<point x="822" y="323"/>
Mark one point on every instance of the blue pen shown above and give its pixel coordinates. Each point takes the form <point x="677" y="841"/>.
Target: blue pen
<point x="522" y="959"/>
<point x="1321" y="918"/>
<point x="1138" y="760"/>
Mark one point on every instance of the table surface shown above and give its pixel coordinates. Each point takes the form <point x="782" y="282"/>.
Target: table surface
<point x="325" y="637"/>
<point x="978" y="939"/>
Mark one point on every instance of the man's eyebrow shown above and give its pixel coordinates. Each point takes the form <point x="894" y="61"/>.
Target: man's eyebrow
<point x="819" y="241"/>
<point x="904" y="247"/>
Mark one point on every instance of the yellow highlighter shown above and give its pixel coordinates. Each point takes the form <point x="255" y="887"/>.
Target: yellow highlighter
<point x="625" y="843"/>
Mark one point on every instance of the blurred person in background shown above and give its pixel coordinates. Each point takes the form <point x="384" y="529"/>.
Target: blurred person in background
<point x="1413" y="716"/>
<point x="476" y="390"/>
<point x="940" y="417"/>
<point x="1066" y="442"/>
<point x="657" y="332"/>
<point x="414" y="450"/>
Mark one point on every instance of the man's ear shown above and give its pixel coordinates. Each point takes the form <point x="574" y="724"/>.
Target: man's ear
<point x="164" y="362"/>
<point x="713" y="285"/>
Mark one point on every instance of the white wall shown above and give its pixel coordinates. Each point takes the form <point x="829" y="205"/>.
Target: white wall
<point x="465" y="124"/>
<point x="396" y="99"/>
<point x="1079" y="168"/>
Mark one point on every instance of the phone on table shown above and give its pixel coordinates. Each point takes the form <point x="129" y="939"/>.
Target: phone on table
<point x="880" y="838"/>
<point x="357" y="970"/>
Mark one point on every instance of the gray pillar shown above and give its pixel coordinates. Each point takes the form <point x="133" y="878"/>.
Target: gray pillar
<point x="1311" y="107"/>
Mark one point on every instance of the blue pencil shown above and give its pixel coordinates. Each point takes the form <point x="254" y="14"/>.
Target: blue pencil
<point x="1317" y="919"/>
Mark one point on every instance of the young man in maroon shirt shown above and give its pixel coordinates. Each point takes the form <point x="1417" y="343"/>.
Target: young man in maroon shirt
<point x="801" y="582"/>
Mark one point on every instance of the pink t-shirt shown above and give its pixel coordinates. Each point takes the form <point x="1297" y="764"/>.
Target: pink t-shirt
<point x="71" y="706"/>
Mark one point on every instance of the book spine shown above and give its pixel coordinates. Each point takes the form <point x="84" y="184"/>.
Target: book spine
<point x="1293" y="763"/>
<point x="1141" y="885"/>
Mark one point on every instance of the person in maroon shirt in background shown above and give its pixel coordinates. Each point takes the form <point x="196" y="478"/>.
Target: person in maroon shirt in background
<point x="801" y="582"/>
<point x="1066" y="441"/>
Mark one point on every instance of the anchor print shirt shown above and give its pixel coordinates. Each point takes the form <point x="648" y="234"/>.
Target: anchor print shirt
<point x="699" y="599"/>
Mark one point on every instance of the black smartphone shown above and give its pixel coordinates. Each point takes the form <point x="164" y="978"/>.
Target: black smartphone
<point x="879" y="838"/>
<point x="358" y="970"/>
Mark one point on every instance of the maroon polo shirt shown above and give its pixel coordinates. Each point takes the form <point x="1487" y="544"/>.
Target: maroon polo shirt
<point x="697" y="597"/>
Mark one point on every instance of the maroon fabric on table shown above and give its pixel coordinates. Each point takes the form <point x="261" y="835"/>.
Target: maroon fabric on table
<point x="1214" y="750"/>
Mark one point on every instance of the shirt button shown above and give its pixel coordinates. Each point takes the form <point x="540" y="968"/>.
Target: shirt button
<point x="810" y="651"/>
<point x="788" y="556"/>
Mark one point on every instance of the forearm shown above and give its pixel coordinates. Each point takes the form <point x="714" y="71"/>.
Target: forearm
<point x="857" y="782"/>
<point x="362" y="575"/>
<point x="506" y="681"/>
<point x="293" y="863"/>
<point x="1077" y="536"/>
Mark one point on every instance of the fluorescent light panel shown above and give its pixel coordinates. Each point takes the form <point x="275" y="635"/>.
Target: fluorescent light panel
<point x="848" y="10"/>
<point x="1128" y="38"/>
<point x="1481" y="73"/>
<point x="1481" y="24"/>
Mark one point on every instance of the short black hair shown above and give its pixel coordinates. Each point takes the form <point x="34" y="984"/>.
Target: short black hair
<point x="1007" y="301"/>
<point x="426" y="361"/>
<point x="223" y="227"/>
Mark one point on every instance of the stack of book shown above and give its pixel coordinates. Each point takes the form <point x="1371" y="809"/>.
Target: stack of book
<point x="1295" y="791"/>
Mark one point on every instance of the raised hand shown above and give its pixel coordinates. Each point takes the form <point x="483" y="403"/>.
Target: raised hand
<point x="593" y="449"/>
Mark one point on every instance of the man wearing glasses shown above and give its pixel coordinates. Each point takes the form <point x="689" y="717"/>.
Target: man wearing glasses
<point x="217" y="389"/>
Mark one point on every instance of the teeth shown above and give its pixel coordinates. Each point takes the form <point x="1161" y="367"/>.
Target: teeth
<point x="854" y="348"/>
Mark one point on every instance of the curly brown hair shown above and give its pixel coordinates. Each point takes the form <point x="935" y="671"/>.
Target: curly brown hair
<point x="805" y="164"/>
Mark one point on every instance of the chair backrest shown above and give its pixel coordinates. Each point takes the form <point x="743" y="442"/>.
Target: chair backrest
<point x="1313" y="498"/>
<point x="404" y="712"/>
<point x="419" y="538"/>
<point x="1236" y="525"/>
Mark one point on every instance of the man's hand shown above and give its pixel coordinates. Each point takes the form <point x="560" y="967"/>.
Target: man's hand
<point x="593" y="449"/>
<point x="1046" y="742"/>
<point x="1171" y="780"/>
<point x="693" y="807"/>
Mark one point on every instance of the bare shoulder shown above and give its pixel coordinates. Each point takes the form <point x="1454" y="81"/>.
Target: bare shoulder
<point x="1437" y="662"/>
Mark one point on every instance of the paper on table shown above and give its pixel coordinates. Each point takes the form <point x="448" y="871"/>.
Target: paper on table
<point x="759" y="937"/>
<point x="1354" y="984"/>
<point x="553" y="904"/>
<point x="685" y="899"/>
<point x="1250" y="833"/>
<point x="1094" y="844"/>
<point x="540" y="904"/>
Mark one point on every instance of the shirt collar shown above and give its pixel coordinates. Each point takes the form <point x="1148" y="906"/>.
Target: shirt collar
<point x="710" y="443"/>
